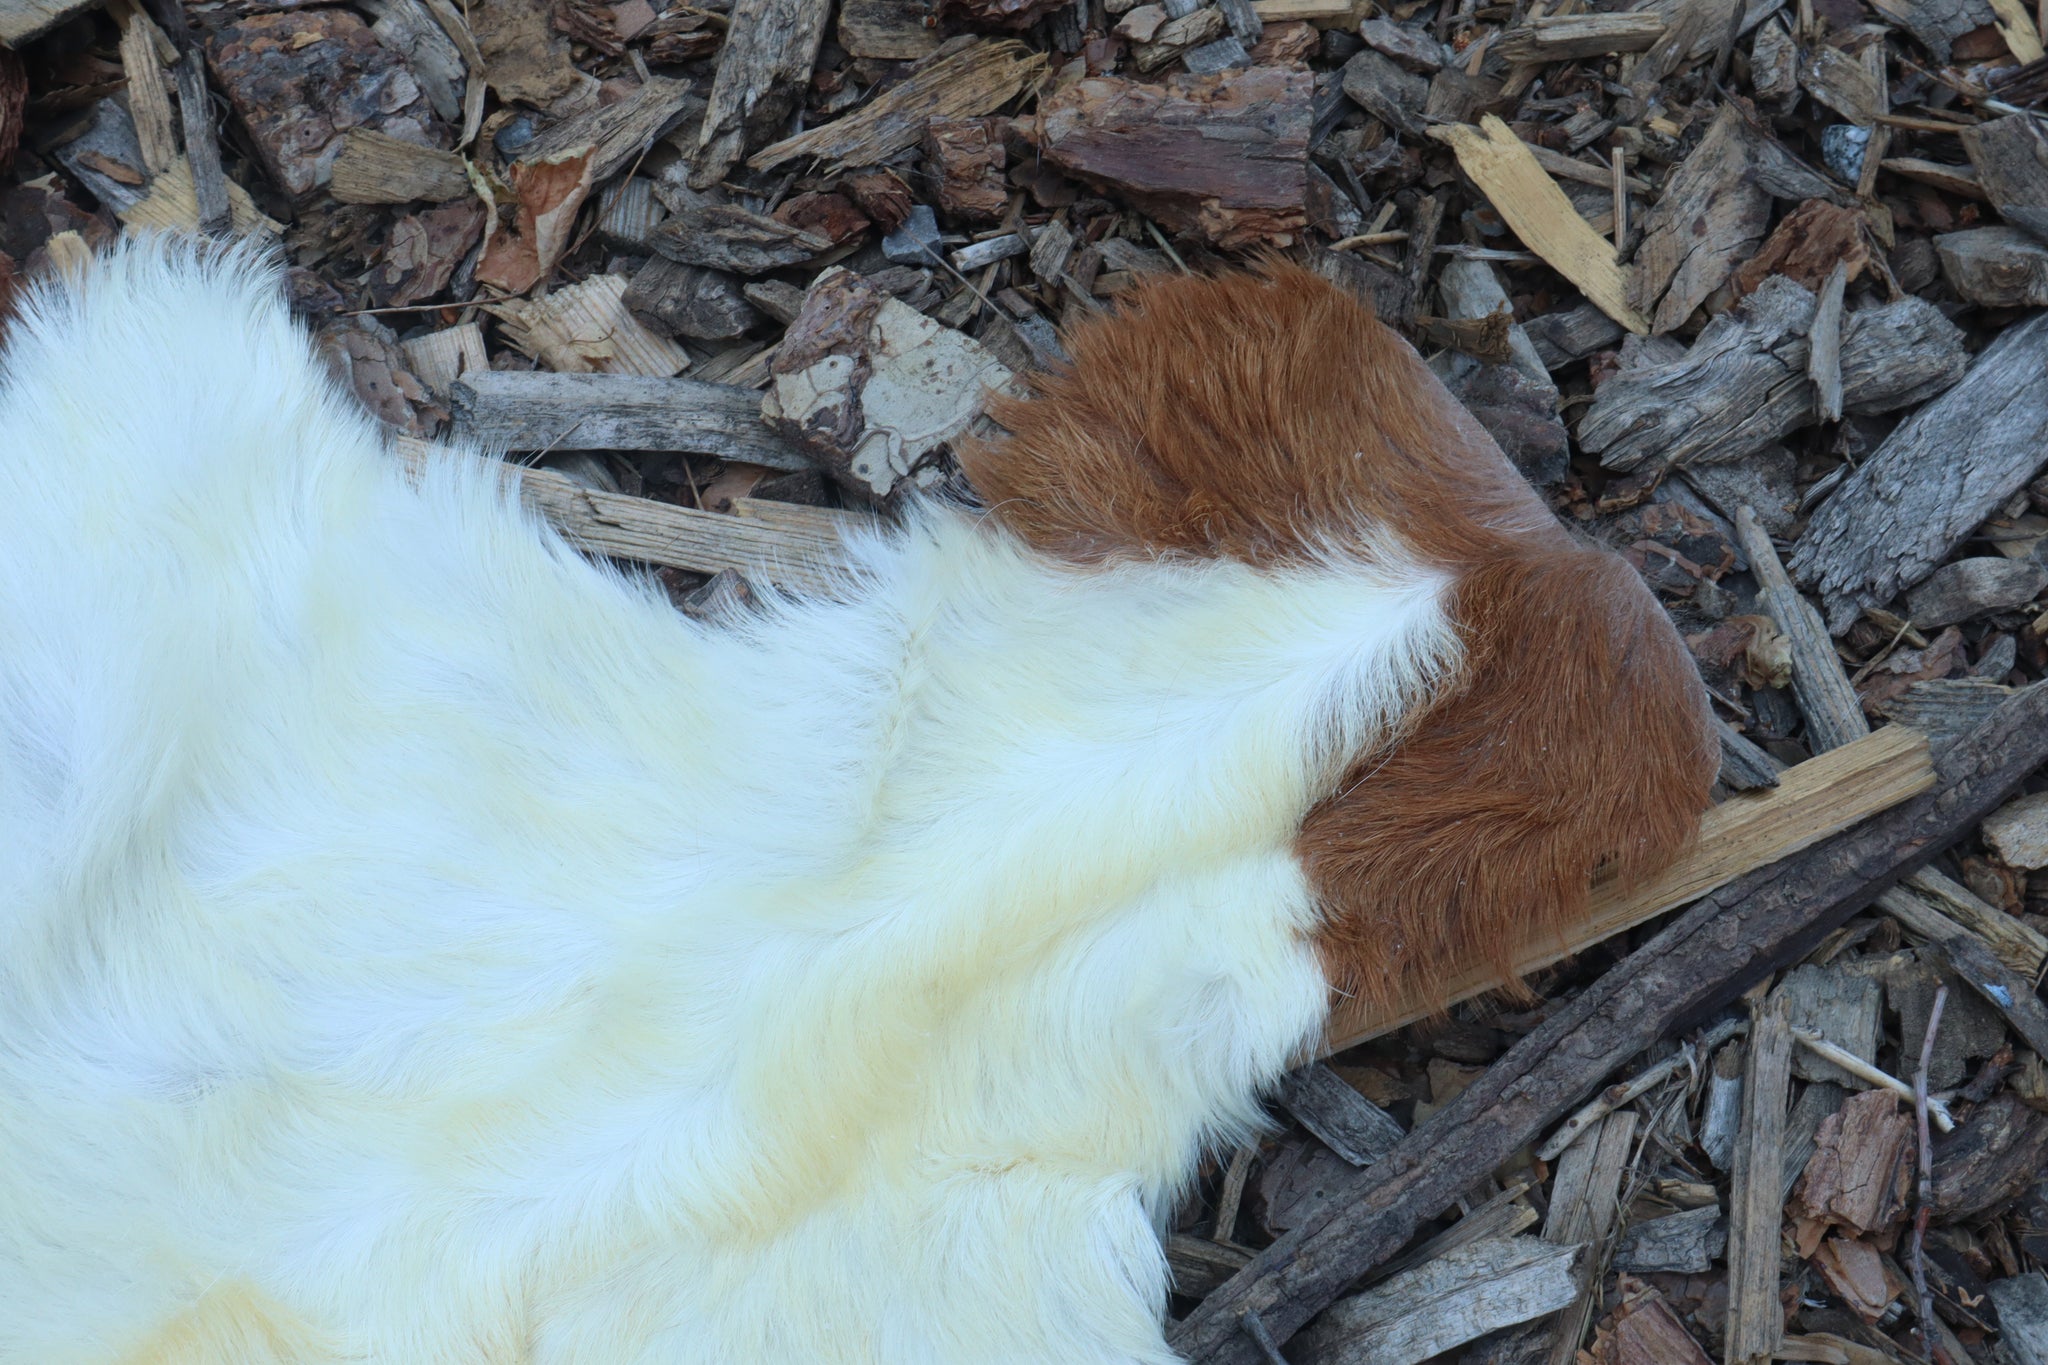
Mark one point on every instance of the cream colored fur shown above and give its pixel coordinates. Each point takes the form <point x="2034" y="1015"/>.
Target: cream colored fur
<point x="420" y="945"/>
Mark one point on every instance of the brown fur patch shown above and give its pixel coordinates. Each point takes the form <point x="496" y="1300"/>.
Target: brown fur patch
<point x="1260" y="416"/>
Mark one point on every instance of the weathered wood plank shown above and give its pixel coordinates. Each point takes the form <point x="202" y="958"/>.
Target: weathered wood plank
<point x="535" y="410"/>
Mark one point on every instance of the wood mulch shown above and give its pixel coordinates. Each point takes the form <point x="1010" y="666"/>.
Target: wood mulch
<point x="1750" y="289"/>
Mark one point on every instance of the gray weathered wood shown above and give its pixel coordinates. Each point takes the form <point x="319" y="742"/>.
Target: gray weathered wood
<point x="1802" y="1127"/>
<point x="2012" y="995"/>
<point x="1744" y="766"/>
<point x="1684" y="1243"/>
<point x="535" y="410"/>
<point x="202" y="144"/>
<point x="1198" y="1265"/>
<point x="733" y="239"/>
<point x="687" y="300"/>
<point x="1933" y="907"/>
<point x="1756" y="1320"/>
<point x="763" y="71"/>
<point x="1998" y="267"/>
<point x="1378" y="85"/>
<point x="1584" y="1206"/>
<point x="1968" y="588"/>
<point x="1345" y="1121"/>
<point x="1743" y="385"/>
<point x="1934" y="479"/>
<point x="1824" y="346"/>
<point x="2010" y="156"/>
<point x="2022" y="1304"/>
<point x="1569" y="37"/>
<point x="1710" y="219"/>
<point x="1841" y="1006"/>
<point x="1449" y="1301"/>
<point x="21" y="20"/>
<point x="1561" y="338"/>
<point x="1834" y="715"/>
<point x="618" y="134"/>
<point x="1721" y="1109"/>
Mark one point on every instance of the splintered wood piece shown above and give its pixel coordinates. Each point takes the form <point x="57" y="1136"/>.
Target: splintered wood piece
<point x="2010" y="156"/>
<point x="1584" y="1205"/>
<point x="1857" y="1274"/>
<point x="685" y="300"/>
<point x="1721" y="1114"/>
<point x="586" y="329"/>
<point x="171" y="206"/>
<point x="1756" y="1319"/>
<point x="2018" y="832"/>
<point x="2000" y="1150"/>
<point x="763" y="71"/>
<point x="800" y="555"/>
<point x="1564" y="38"/>
<point x="888" y="30"/>
<point x="1812" y="801"/>
<point x="1834" y="716"/>
<point x="1689" y="970"/>
<point x="1743" y="385"/>
<point x="533" y="410"/>
<point x="1860" y="1170"/>
<point x="377" y="169"/>
<point x="21" y="20"/>
<point x="1157" y="146"/>
<point x="1345" y="1121"/>
<point x="1198" y="1265"/>
<point x="1522" y="193"/>
<point x="1997" y="267"/>
<point x="1683" y="1243"/>
<point x="213" y="196"/>
<point x="964" y="163"/>
<point x="974" y="79"/>
<point x="1464" y="1294"/>
<point x="440" y="358"/>
<point x="1935" y="479"/>
<point x="1710" y="218"/>
<point x="617" y="134"/>
<point x="1824" y="346"/>
<point x="1933" y="908"/>
<point x="2016" y="26"/>
<point x="149" y="93"/>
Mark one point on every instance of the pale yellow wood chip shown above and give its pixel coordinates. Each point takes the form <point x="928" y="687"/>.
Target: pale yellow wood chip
<point x="586" y="329"/>
<point x="1508" y="174"/>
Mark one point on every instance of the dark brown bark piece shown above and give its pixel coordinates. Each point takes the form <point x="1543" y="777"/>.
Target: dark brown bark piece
<point x="1224" y="156"/>
<point x="688" y="300"/>
<point x="964" y="166"/>
<point x="1993" y="1155"/>
<point x="421" y="254"/>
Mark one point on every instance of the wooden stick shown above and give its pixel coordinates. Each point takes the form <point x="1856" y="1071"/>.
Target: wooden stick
<point x="1811" y="802"/>
<point x="1756" y="1319"/>
<point x="1926" y="1191"/>
<point x="1862" y="1070"/>
<point x="1688" y="971"/>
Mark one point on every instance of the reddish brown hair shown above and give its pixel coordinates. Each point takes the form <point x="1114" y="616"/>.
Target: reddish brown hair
<point x="1260" y="416"/>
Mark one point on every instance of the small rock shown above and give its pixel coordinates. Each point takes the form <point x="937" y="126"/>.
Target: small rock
<point x="2018" y="832"/>
<point x="916" y="242"/>
<point x="1970" y="588"/>
<point x="1842" y="146"/>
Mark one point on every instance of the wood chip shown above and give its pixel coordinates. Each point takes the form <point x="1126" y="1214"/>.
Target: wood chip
<point x="1345" y="1121"/>
<point x="586" y="329"/>
<point x="1860" y="1172"/>
<point x="1465" y="1294"/>
<point x="958" y="82"/>
<point x="376" y="169"/>
<point x="1563" y="38"/>
<point x="1505" y="172"/>
<point x="1756" y="1319"/>
<point x="171" y="206"/>
<point x="1710" y="218"/>
<point x="1933" y="480"/>
<point x="1998" y="267"/>
<point x="534" y="410"/>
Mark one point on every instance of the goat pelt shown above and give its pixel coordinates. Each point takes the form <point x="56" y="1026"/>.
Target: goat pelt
<point x="421" y="944"/>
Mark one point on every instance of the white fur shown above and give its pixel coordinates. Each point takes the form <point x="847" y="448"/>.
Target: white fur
<point x="420" y="945"/>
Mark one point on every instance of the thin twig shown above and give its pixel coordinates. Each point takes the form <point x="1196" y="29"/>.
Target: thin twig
<point x="1856" y="1066"/>
<point x="1926" y="1196"/>
<point x="1262" y="1337"/>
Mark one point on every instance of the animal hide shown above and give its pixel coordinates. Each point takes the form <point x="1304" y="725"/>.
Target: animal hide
<point x="420" y="944"/>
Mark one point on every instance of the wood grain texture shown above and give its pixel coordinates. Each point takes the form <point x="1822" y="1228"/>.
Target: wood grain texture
<point x="21" y="20"/>
<point x="770" y="48"/>
<point x="1709" y="220"/>
<point x="1690" y="969"/>
<point x="1934" y="479"/>
<point x="535" y="410"/>
<point x="1811" y="802"/>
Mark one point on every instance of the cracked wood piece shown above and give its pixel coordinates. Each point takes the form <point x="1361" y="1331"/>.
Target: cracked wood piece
<point x="763" y="70"/>
<point x="1939" y="474"/>
<point x="149" y="94"/>
<point x="2010" y="156"/>
<point x="1687" y="971"/>
<point x="966" y="79"/>
<point x="1709" y="220"/>
<point x="21" y="20"/>
<point x="529" y="410"/>
<point x="1721" y="1111"/>
<point x="1858" y="1174"/>
<point x="213" y="207"/>
<point x="618" y="134"/>
<point x="1531" y="203"/>
<point x="1444" y="1303"/>
<point x="1834" y="715"/>
<point x="1812" y="802"/>
<point x="1223" y="155"/>
<point x="1584" y="1206"/>
<point x="1933" y="908"/>
<point x="798" y="553"/>
<point x="1824" y="346"/>
<point x="1684" y="1243"/>
<point x="377" y="169"/>
<point x="1756" y="1320"/>
<point x="1995" y="267"/>
<point x="1742" y="386"/>
<point x="1564" y="38"/>
<point x="1345" y="1121"/>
